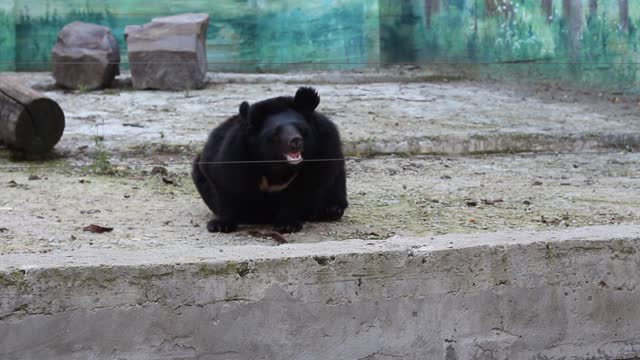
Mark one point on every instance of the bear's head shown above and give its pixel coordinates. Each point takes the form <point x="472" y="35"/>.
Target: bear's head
<point x="281" y="127"/>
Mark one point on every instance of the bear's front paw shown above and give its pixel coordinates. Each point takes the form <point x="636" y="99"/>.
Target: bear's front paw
<point x="222" y="226"/>
<point x="330" y="213"/>
<point x="288" y="227"/>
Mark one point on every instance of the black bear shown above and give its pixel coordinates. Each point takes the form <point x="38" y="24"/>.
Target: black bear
<point x="277" y="162"/>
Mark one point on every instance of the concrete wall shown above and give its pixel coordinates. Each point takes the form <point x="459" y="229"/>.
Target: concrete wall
<point x="550" y="295"/>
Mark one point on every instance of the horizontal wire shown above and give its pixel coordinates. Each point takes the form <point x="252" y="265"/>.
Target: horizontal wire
<point x="311" y="62"/>
<point x="348" y="158"/>
<point x="251" y="162"/>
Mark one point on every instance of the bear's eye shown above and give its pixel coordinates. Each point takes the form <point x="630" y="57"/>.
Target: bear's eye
<point x="303" y="131"/>
<point x="273" y="137"/>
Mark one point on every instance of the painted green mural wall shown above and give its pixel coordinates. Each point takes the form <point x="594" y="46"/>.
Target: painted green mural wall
<point x="343" y="34"/>
<point x="591" y="42"/>
<point x="594" y="42"/>
<point x="242" y="36"/>
<point x="7" y="36"/>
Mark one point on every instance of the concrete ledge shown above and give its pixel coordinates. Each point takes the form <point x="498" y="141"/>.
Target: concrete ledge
<point x="546" y="295"/>
<point x="489" y="143"/>
<point x="43" y="81"/>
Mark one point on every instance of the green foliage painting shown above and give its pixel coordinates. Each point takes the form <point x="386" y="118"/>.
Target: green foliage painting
<point x="589" y="42"/>
<point x="243" y="35"/>
<point x="592" y="42"/>
<point x="7" y="36"/>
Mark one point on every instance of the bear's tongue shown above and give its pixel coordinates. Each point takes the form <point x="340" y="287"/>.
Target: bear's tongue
<point x="294" y="157"/>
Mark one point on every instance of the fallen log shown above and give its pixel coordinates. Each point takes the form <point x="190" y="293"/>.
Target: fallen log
<point x="29" y="121"/>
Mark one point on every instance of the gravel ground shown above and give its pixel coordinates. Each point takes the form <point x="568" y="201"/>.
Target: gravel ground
<point x="389" y="196"/>
<point x="101" y="172"/>
<point x="382" y="115"/>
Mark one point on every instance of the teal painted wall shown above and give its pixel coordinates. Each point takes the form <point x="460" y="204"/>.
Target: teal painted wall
<point x="243" y="35"/>
<point x="591" y="42"/>
<point x="342" y="34"/>
<point x="7" y="36"/>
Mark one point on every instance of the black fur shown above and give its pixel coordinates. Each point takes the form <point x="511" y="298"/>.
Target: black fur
<point x="265" y="131"/>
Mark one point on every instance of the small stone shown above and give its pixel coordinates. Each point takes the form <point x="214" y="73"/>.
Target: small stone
<point x="168" y="181"/>
<point x="159" y="170"/>
<point x="85" y="56"/>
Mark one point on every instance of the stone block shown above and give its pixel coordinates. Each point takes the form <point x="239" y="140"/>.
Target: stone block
<point x="85" y="56"/>
<point x="169" y="53"/>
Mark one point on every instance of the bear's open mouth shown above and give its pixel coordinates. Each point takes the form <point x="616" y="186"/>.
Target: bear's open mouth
<point x="294" y="157"/>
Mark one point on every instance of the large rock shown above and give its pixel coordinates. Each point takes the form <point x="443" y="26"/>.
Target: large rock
<point x="85" y="56"/>
<point x="169" y="53"/>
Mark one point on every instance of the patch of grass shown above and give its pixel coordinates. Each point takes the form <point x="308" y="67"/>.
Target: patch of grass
<point x="101" y="164"/>
<point x="83" y="89"/>
<point x="150" y="149"/>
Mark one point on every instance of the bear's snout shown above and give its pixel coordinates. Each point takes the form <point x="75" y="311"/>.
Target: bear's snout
<point x="295" y="144"/>
<point x="292" y="141"/>
<point x="292" y="144"/>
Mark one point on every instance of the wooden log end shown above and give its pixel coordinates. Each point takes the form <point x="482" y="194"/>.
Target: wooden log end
<point x="39" y="127"/>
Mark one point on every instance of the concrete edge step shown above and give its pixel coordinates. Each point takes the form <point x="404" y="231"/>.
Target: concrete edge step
<point x="516" y="295"/>
<point x="213" y="254"/>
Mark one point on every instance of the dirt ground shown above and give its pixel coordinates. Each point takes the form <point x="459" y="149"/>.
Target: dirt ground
<point x="389" y="196"/>
<point x="366" y="113"/>
<point x="109" y="168"/>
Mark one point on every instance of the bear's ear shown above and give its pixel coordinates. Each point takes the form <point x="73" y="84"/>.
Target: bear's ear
<point x="244" y="110"/>
<point x="306" y="99"/>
